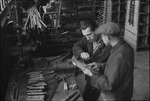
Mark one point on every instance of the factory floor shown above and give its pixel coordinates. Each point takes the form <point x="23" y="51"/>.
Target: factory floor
<point x="141" y="76"/>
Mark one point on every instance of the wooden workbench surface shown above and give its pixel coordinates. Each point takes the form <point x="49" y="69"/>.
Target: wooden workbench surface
<point x="59" y="95"/>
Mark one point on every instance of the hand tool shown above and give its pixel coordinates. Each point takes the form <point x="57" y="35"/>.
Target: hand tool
<point x="36" y="75"/>
<point x="38" y="87"/>
<point x="36" y="98"/>
<point x="16" y="88"/>
<point x="40" y="84"/>
<point x="65" y="84"/>
<point x="46" y="79"/>
<point x="36" y="93"/>
<point x="74" y="98"/>
<point x="48" y="72"/>
<point x="37" y="78"/>
<point x="70" y="96"/>
<point x="34" y="72"/>
<point x="73" y="86"/>
<point x="51" y="89"/>
<point x="39" y="90"/>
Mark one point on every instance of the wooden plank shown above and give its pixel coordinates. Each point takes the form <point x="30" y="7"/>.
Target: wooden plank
<point x="135" y="27"/>
<point x="131" y="33"/>
<point x="131" y="40"/>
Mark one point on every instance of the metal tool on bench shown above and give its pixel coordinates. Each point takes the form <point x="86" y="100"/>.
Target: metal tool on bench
<point x="35" y="76"/>
<point x="75" y="97"/>
<point x="65" y="84"/>
<point x="39" y="90"/>
<point x="72" y="97"/>
<point x="35" y="87"/>
<point x="35" y="98"/>
<point x="16" y="89"/>
<point x="37" y="93"/>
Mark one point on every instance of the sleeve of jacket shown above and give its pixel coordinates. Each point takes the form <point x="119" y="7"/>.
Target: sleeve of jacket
<point x="78" y="48"/>
<point x="113" y="74"/>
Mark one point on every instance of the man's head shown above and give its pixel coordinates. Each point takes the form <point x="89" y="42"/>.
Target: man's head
<point x="88" y="27"/>
<point x="110" y="32"/>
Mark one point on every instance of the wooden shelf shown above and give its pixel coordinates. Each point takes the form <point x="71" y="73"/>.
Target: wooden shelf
<point x="112" y="10"/>
<point x="139" y="29"/>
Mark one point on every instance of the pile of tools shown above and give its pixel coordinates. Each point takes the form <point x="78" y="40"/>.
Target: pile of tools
<point x="41" y="85"/>
<point x="36" y="86"/>
<point x="34" y="19"/>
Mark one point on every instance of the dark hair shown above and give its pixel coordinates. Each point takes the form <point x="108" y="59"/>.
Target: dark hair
<point x="88" y="23"/>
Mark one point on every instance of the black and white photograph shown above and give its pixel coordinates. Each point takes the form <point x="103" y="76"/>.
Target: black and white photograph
<point x="74" y="50"/>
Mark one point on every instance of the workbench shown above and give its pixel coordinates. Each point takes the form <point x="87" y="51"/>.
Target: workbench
<point x="59" y="93"/>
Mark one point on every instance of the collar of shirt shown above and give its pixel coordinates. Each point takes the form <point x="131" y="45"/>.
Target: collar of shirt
<point x="121" y="41"/>
<point x="96" y="46"/>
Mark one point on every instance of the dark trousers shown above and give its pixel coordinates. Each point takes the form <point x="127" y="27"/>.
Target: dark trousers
<point x="89" y="93"/>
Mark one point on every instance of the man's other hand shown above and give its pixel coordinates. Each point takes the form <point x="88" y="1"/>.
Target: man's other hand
<point x="94" y="65"/>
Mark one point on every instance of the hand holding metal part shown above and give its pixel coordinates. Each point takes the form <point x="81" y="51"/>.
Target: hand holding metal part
<point x="86" y="68"/>
<point x="78" y="63"/>
<point x="94" y="65"/>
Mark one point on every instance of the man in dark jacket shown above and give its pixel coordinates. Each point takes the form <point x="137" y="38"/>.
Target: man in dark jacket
<point x="117" y="81"/>
<point x="89" y="50"/>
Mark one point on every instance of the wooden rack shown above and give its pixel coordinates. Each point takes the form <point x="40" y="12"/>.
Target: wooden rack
<point x="112" y="10"/>
<point x="137" y="24"/>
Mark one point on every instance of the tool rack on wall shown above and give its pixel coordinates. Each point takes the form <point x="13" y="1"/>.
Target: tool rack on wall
<point x="85" y="9"/>
<point x="98" y="6"/>
<point x="119" y="12"/>
<point x="100" y="12"/>
<point x="112" y="10"/>
<point x="137" y="24"/>
<point x="69" y="15"/>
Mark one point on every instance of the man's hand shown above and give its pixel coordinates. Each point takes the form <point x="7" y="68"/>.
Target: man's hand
<point x="85" y="55"/>
<point x="87" y="71"/>
<point x="94" y="65"/>
<point x="78" y="63"/>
